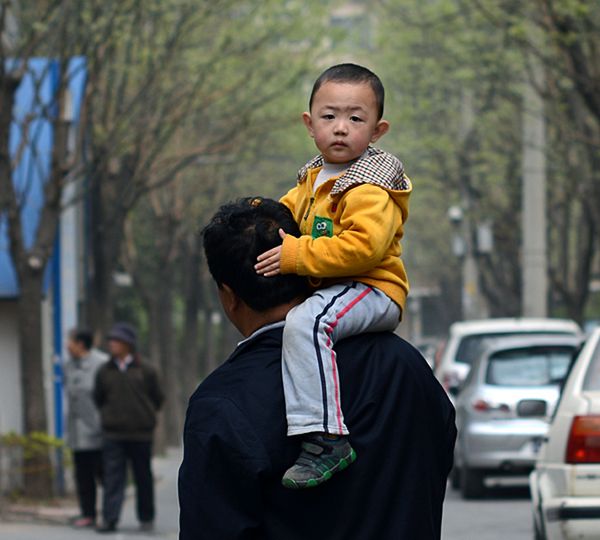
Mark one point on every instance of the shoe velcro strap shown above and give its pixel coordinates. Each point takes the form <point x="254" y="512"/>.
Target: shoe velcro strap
<point x="312" y="448"/>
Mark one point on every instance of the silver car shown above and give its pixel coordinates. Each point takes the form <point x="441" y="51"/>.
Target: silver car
<point x="504" y="407"/>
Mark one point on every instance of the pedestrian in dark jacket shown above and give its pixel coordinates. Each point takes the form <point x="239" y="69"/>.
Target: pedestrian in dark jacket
<point x="235" y="444"/>
<point x="128" y="395"/>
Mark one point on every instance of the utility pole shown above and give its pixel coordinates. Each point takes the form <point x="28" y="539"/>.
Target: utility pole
<point x="473" y="305"/>
<point x="535" y="279"/>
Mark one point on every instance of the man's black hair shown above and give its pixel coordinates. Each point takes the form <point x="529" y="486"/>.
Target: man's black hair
<point x="236" y="235"/>
<point x="83" y="336"/>
<point x="351" y="73"/>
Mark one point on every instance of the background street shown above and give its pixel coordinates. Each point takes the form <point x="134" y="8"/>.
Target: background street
<point x="484" y="519"/>
<point x="167" y="526"/>
<point x="503" y="513"/>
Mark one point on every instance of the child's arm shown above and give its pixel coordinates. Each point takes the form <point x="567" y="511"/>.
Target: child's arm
<point x="370" y="222"/>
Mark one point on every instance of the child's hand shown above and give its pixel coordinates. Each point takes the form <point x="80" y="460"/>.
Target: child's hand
<point x="269" y="262"/>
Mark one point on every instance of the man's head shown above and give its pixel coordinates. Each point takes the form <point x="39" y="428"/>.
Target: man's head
<point x="79" y="342"/>
<point x="346" y="109"/>
<point x="236" y="235"/>
<point x="122" y="339"/>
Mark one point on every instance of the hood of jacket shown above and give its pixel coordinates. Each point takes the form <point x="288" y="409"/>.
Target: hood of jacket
<point x="377" y="167"/>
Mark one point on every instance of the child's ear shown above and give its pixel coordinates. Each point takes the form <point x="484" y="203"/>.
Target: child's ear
<point x="307" y="119"/>
<point x="380" y="130"/>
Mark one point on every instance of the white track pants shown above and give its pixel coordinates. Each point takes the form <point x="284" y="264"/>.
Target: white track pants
<point x="310" y="374"/>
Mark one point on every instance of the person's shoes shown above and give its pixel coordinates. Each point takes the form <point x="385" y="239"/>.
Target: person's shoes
<point x="147" y="526"/>
<point x="83" y="522"/>
<point x="319" y="460"/>
<point x="107" y="528"/>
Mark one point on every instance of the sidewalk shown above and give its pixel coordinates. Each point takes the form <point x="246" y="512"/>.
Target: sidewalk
<point x="29" y="522"/>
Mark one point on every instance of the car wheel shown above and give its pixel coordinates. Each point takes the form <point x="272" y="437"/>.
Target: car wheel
<point x="455" y="478"/>
<point x="471" y="483"/>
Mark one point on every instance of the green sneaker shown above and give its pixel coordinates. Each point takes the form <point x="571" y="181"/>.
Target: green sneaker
<point x="319" y="460"/>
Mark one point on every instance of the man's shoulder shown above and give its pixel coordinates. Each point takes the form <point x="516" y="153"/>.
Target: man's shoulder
<point x="106" y="365"/>
<point x="98" y="357"/>
<point x="379" y="344"/>
<point x="382" y="356"/>
<point x="253" y="364"/>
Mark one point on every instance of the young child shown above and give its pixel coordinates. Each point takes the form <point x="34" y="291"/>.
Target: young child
<point x="351" y="202"/>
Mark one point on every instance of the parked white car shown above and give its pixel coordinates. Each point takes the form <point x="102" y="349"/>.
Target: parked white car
<point x="465" y="338"/>
<point x="504" y="407"/>
<point x="565" y="484"/>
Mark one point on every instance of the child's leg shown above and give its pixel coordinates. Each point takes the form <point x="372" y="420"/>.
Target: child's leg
<point x="310" y="376"/>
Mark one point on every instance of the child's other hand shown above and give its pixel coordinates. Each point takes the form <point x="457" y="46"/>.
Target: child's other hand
<point x="269" y="262"/>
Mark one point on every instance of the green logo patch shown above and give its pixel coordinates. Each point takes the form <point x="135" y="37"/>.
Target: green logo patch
<point x="322" y="226"/>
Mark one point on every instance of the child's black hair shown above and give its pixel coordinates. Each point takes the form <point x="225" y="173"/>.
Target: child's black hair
<point x="351" y="73"/>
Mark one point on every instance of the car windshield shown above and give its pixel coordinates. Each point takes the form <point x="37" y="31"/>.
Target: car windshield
<point x="534" y="366"/>
<point x="470" y="346"/>
<point x="592" y="377"/>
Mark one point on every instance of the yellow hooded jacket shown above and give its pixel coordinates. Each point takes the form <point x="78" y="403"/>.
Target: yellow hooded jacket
<point x="352" y="226"/>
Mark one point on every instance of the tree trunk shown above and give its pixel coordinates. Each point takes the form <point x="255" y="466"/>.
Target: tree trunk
<point x="38" y="472"/>
<point x="105" y="249"/>
<point x="154" y="358"/>
<point x="163" y="356"/>
<point x="192" y="294"/>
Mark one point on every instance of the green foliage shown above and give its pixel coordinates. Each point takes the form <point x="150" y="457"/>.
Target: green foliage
<point x="32" y="444"/>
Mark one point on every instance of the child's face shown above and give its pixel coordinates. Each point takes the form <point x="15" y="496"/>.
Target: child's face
<point x="343" y="120"/>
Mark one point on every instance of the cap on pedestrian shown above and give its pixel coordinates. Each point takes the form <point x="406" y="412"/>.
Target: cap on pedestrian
<point x="125" y="333"/>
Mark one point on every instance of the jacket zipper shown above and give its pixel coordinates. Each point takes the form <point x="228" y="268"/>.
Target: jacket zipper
<point x="310" y="203"/>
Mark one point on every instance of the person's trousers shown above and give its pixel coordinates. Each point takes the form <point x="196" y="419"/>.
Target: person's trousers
<point x="88" y="475"/>
<point x="309" y="368"/>
<point x="116" y="455"/>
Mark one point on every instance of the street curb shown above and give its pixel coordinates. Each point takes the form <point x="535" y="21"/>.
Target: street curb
<point x="37" y="513"/>
<point x="62" y="510"/>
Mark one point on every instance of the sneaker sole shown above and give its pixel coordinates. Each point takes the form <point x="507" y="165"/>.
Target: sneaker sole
<point x="314" y="482"/>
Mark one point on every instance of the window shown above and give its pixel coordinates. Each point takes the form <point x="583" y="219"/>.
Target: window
<point x="471" y="346"/>
<point x="592" y="377"/>
<point x="535" y="366"/>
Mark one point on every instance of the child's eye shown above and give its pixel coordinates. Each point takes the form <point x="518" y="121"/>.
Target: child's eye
<point x="356" y="119"/>
<point x="328" y="117"/>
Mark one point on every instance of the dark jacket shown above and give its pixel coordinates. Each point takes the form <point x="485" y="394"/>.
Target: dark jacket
<point x="236" y="450"/>
<point x="128" y="400"/>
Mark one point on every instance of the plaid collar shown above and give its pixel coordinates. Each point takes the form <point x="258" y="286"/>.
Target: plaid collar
<point x="377" y="167"/>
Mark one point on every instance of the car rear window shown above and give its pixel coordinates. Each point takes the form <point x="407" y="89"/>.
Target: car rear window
<point x="592" y="377"/>
<point x="470" y="346"/>
<point x="534" y="366"/>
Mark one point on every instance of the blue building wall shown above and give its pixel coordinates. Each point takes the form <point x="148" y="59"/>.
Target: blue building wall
<point x="34" y="108"/>
<point x="34" y="101"/>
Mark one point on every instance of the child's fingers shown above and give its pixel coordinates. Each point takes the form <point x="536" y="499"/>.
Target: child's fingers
<point x="267" y="254"/>
<point x="265" y="263"/>
<point x="268" y="265"/>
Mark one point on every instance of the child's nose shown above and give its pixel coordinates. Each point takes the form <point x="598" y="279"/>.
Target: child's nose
<point x="341" y="127"/>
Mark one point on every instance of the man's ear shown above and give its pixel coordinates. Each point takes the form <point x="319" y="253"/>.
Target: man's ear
<point x="307" y="119"/>
<point x="229" y="299"/>
<point x="381" y="129"/>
